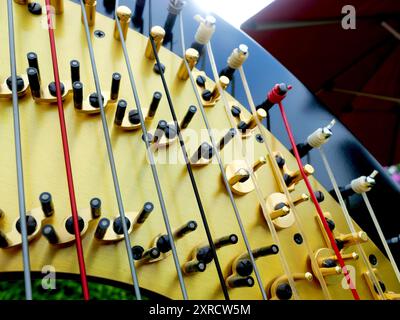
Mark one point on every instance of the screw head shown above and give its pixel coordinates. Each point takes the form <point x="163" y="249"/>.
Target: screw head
<point x="99" y="34"/>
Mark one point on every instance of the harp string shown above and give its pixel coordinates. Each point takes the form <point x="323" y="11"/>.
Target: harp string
<point x="18" y="154"/>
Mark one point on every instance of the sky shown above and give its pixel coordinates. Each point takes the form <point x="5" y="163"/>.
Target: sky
<point x="234" y="11"/>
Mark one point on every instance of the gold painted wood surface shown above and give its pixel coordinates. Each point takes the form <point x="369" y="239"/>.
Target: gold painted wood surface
<point x="44" y="171"/>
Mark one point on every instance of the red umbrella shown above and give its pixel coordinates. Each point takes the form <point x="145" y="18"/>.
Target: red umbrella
<point x="355" y="72"/>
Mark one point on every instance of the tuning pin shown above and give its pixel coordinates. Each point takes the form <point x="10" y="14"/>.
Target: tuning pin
<point x="47" y="205"/>
<point x="204" y="253"/>
<point x="90" y="9"/>
<point x="276" y="95"/>
<point x="185" y="229"/>
<point x="158" y="34"/>
<point x="58" y="6"/>
<point x="236" y="281"/>
<point x="102" y="228"/>
<point x="204" y="32"/>
<point x="75" y="70"/>
<point x="155" y="102"/>
<point x="163" y="243"/>
<point x="174" y="8"/>
<point x="226" y="138"/>
<point x="204" y="152"/>
<point x="124" y="16"/>
<point x="95" y="207"/>
<point x="235" y="61"/>
<point x="144" y="213"/>
<point x="77" y="90"/>
<point x="281" y="288"/>
<point x="194" y="266"/>
<point x="294" y="178"/>
<point x="120" y="112"/>
<point x="243" y="266"/>
<point x="191" y="57"/>
<point x="50" y="234"/>
<point x="252" y="122"/>
<point x="115" y="83"/>
<point x="188" y="117"/>
<point x="225" y="241"/>
<point x="34" y="81"/>
<point x="137" y="18"/>
<point x="359" y="185"/>
<point x="350" y="239"/>
<point x="150" y="254"/>
<point x="265" y="251"/>
<point x="33" y="62"/>
<point x="315" y="140"/>
<point x="160" y="131"/>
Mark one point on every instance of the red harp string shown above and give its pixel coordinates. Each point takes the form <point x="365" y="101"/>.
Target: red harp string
<point x="316" y="204"/>
<point x="67" y="158"/>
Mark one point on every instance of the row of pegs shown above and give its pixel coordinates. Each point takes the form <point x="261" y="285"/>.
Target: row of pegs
<point x="41" y="220"/>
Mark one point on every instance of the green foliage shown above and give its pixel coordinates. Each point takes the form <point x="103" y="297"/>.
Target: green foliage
<point x="65" y="290"/>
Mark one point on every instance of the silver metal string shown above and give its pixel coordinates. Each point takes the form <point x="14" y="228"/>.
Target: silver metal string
<point x="151" y="158"/>
<point x="111" y="157"/>
<point x="221" y="166"/>
<point x="18" y="154"/>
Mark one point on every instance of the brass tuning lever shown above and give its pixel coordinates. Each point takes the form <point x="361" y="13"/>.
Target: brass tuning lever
<point x="239" y="176"/>
<point x="279" y="210"/>
<point x="350" y="239"/>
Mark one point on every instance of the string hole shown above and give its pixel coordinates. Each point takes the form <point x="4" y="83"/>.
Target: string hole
<point x="99" y="34"/>
<point x="373" y="259"/>
<point x="259" y="138"/>
<point x="298" y="238"/>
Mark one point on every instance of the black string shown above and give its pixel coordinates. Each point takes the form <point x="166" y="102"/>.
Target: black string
<point x="189" y="168"/>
